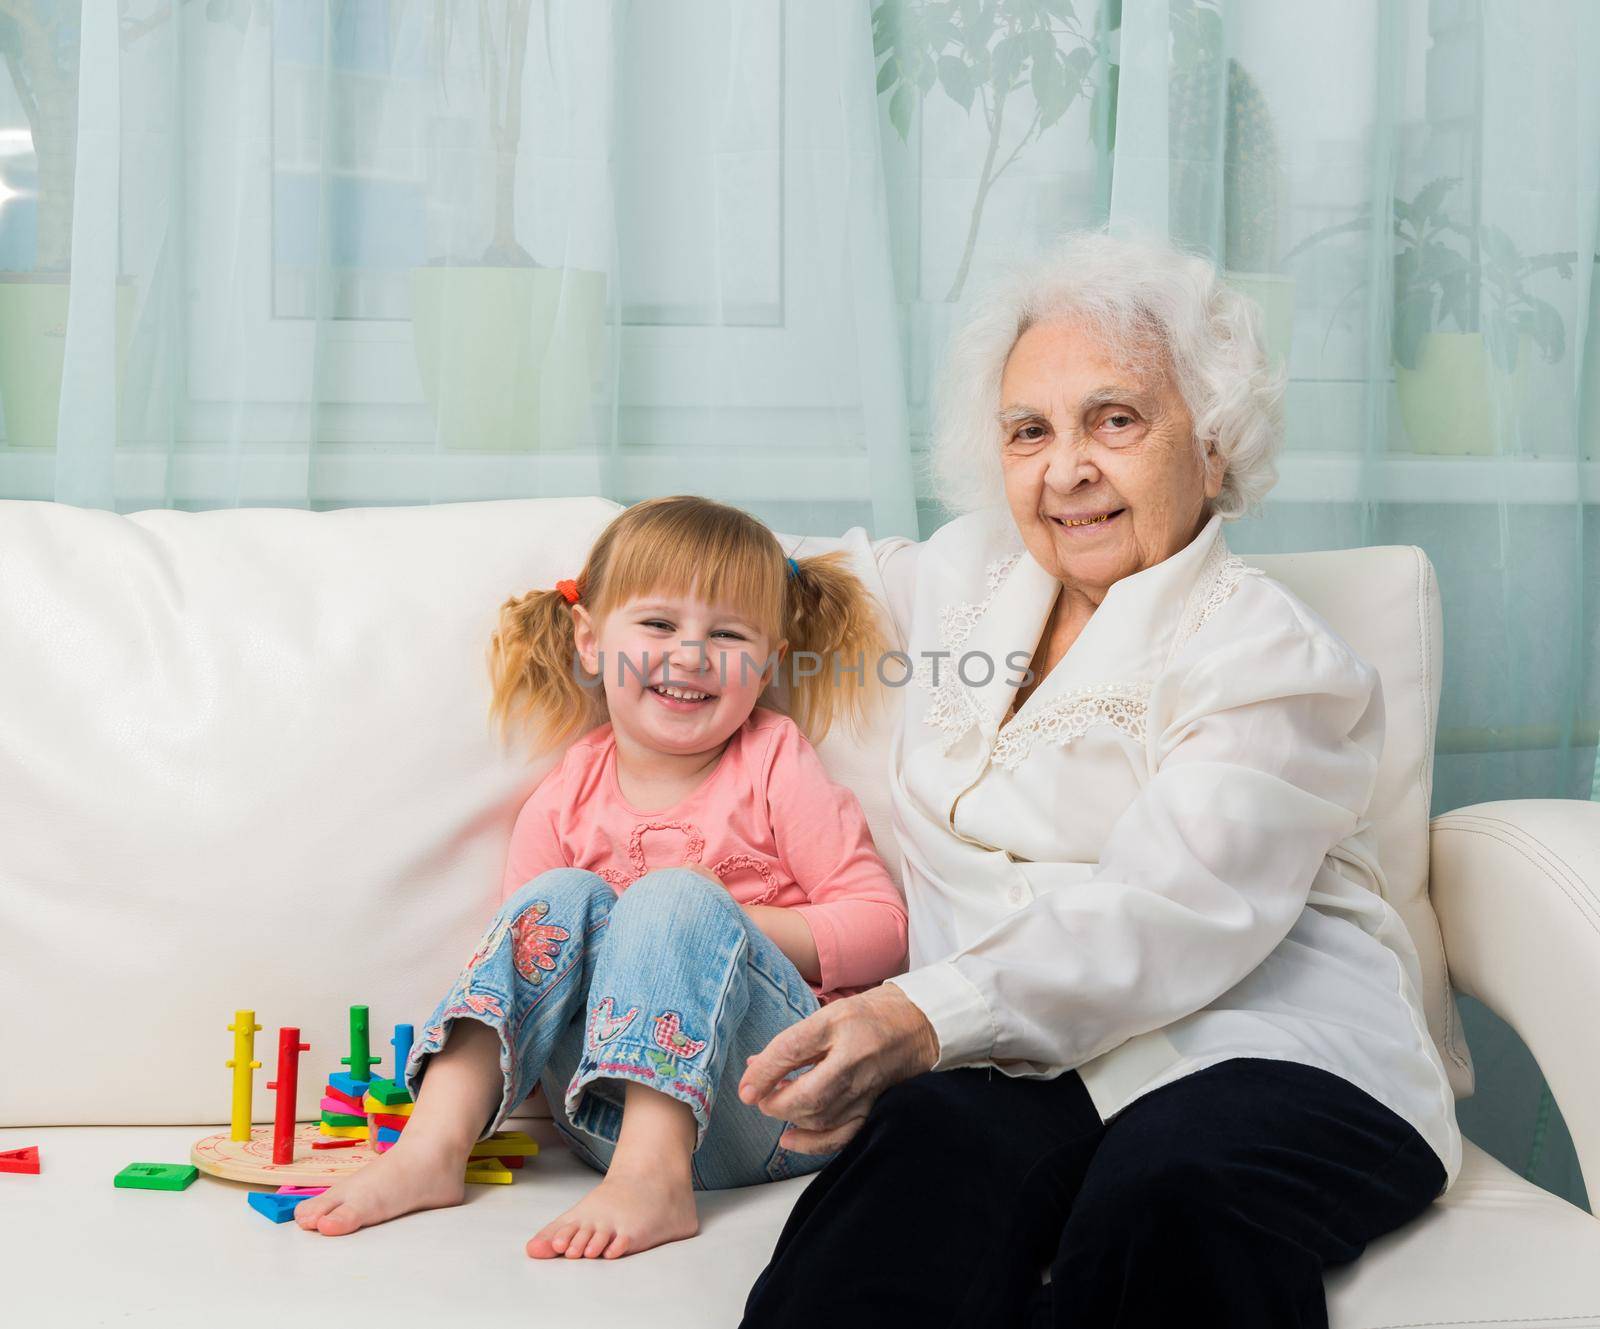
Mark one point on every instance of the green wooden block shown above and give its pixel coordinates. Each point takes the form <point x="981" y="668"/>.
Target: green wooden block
<point x="343" y="1118"/>
<point x="388" y="1092"/>
<point x="156" y="1176"/>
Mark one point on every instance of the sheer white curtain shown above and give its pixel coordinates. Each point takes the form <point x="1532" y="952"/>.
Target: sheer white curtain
<point x="380" y="252"/>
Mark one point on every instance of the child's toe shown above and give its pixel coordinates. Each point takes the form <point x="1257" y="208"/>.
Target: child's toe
<point x="308" y="1211"/>
<point x="338" y="1222"/>
<point x="580" y="1239"/>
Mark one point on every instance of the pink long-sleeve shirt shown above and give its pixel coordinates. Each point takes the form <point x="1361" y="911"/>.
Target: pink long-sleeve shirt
<point x="768" y="821"/>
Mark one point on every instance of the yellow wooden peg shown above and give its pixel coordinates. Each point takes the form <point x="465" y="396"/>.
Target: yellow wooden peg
<point x="244" y="1029"/>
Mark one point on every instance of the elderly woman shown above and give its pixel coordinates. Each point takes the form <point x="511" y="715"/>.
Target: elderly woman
<point x="1160" y="1057"/>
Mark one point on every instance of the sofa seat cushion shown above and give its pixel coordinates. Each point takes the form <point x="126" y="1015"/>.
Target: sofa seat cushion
<point x="75" y="1250"/>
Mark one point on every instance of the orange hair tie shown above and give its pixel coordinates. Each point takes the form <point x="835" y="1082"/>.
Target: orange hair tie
<point x="569" y="591"/>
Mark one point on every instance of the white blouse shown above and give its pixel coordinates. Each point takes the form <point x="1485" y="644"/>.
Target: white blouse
<point x="1163" y="859"/>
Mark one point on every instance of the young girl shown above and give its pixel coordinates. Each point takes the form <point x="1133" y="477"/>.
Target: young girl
<point x="686" y="883"/>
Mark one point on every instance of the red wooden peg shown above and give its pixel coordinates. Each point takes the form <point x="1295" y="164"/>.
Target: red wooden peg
<point x="289" y="1049"/>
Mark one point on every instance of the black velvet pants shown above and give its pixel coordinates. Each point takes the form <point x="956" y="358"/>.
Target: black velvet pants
<point x="1216" y="1200"/>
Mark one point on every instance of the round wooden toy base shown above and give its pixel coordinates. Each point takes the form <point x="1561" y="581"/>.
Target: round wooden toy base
<point x="251" y="1160"/>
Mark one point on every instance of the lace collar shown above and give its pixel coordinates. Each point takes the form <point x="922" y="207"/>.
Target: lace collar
<point x="1105" y="679"/>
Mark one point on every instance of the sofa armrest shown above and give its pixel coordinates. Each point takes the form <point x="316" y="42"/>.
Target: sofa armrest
<point x="1516" y="886"/>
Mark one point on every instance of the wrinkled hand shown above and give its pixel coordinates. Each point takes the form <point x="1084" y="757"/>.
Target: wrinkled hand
<point x="856" y="1047"/>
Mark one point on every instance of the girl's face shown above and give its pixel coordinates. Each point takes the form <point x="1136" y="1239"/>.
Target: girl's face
<point x="680" y="675"/>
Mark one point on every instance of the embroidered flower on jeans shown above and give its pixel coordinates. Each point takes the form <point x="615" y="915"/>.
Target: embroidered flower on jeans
<point x="669" y="1036"/>
<point x="603" y="1026"/>
<point x="474" y="1004"/>
<point x="489" y="943"/>
<point x="537" y="943"/>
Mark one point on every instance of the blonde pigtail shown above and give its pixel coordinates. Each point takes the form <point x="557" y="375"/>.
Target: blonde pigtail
<point x="832" y="624"/>
<point x="532" y="672"/>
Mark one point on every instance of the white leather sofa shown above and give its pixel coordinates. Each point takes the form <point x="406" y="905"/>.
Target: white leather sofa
<point x="244" y="762"/>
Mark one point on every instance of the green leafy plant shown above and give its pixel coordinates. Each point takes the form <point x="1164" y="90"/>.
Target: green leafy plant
<point x="1436" y="281"/>
<point x="981" y="52"/>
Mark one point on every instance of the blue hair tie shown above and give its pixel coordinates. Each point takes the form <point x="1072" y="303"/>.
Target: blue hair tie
<point x="794" y="568"/>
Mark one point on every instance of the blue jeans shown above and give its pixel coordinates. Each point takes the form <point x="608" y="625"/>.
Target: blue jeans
<point x="669" y="985"/>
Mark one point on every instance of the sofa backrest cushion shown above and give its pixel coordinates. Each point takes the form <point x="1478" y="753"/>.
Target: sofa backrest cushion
<point x="245" y="762"/>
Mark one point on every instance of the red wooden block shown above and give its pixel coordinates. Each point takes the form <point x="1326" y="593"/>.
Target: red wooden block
<point x="330" y="1091"/>
<point x="336" y="1144"/>
<point x="392" y="1122"/>
<point x="514" y="1162"/>
<point x="21" y="1160"/>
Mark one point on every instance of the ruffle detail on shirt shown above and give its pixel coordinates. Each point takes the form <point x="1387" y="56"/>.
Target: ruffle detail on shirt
<point x="952" y="708"/>
<point x="1123" y="706"/>
<point x="1219" y="576"/>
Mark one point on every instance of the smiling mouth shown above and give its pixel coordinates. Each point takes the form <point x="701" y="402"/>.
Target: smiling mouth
<point x="1072" y="523"/>
<point x="678" y="698"/>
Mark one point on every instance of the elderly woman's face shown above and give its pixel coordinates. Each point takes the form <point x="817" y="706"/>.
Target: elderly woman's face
<point x="1100" y="467"/>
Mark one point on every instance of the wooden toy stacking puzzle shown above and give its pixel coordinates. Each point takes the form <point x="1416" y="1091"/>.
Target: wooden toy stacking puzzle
<point x="360" y="1116"/>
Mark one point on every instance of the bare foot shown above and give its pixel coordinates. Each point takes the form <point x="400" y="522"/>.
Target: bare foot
<point x="415" y="1174"/>
<point x="630" y="1211"/>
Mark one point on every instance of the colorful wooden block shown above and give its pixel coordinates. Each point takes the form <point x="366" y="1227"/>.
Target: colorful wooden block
<point x="388" y="1092"/>
<point x="373" y="1106"/>
<point x="393" y="1123"/>
<point x="387" y="1136"/>
<point x="341" y="1132"/>
<point x="300" y="1190"/>
<point x="347" y="1102"/>
<point x="342" y="1119"/>
<point x="515" y="1164"/>
<point x="279" y="1208"/>
<point x="351" y="1085"/>
<point x="25" y="1160"/>
<point x="508" y="1143"/>
<point x="156" y="1176"/>
<point x="488" y="1171"/>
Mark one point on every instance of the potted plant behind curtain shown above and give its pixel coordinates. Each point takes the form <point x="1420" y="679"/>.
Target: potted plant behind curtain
<point x="987" y="51"/>
<point x="985" y="55"/>
<point x="1449" y="381"/>
<point x="1248" y="189"/>
<point x="507" y="347"/>
<point x="39" y="44"/>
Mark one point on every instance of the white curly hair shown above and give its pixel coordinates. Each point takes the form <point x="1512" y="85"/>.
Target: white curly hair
<point x="1150" y="303"/>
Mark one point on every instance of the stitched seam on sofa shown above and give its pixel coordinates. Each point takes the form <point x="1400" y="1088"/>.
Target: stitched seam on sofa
<point x="1582" y="905"/>
<point x="1532" y="846"/>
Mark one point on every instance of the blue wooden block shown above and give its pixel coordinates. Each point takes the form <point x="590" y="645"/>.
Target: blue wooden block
<point x="387" y="1134"/>
<point x="279" y="1208"/>
<point x="349" y="1084"/>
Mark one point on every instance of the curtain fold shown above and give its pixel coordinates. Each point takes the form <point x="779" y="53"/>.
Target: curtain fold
<point x="325" y="253"/>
